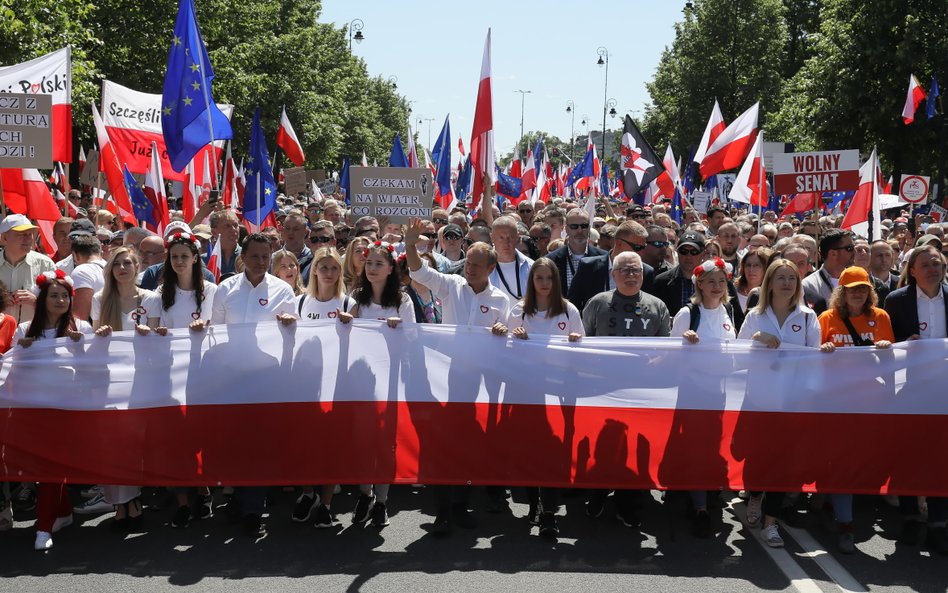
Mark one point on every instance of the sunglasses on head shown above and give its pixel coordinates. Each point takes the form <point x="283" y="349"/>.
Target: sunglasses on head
<point x="577" y="226"/>
<point x="688" y="251"/>
<point x="315" y="240"/>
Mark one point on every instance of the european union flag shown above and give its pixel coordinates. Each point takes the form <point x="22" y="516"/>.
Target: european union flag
<point x="443" y="161"/>
<point x="583" y="169"/>
<point x="260" y="195"/>
<point x="604" y="180"/>
<point x="190" y="118"/>
<point x="398" y="158"/>
<point x="344" y="180"/>
<point x="508" y="186"/>
<point x="141" y="205"/>
<point x="930" y="103"/>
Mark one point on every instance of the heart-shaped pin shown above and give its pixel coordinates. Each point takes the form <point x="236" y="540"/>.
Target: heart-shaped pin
<point x="332" y="314"/>
<point x="923" y="325"/>
<point x="727" y="327"/>
<point x="484" y="308"/>
<point x="872" y="324"/>
<point x="195" y="316"/>
<point x="561" y="325"/>
<point x="795" y="327"/>
<point x="263" y="302"/>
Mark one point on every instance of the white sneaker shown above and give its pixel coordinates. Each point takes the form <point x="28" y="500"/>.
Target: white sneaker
<point x="61" y="522"/>
<point x="94" y="506"/>
<point x="771" y="536"/>
<point x="92" y="492"/>
<point x="44" y="541"/>
<point x="753" y="509"/>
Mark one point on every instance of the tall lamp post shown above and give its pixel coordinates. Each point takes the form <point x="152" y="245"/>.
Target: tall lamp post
<point x="571" y="110"/>
<point x="604" y="61"/>
<point x="429" y="120"/>
<point x="356" y="25"/>
<point x="523" y="98"/>
<point x="393" y="80"/>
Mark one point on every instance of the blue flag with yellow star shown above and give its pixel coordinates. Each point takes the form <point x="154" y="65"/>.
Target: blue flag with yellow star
<point x="190" y="119"/>
<point x="144" y="210"/>
<point x="261" y="192"/>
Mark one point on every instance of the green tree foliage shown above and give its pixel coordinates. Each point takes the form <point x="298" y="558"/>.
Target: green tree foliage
<point x="265" y="52"/>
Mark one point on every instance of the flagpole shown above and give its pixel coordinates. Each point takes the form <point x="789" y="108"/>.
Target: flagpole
<point x="207" y="104"/>
<point x="760" y="182"/>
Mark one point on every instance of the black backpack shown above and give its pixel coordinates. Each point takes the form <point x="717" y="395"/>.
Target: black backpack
<point x="695" y="311"/>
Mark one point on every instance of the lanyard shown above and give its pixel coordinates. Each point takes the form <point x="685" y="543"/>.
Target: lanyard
<point x="500" y="272"/>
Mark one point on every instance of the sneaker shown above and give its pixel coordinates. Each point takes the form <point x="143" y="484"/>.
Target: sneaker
<point x="462" y="517"/>
<point x="595" y="506"/>
<point x="533" y="514"/>
<point x="771" y="536"/>
<point x="205" y="506"/>
<point x="44" y="541"/>
<point x="846" y="542"/>
<point x="911" y="532"/>
<point x="182" y="517"/>
<point x="442" y="523"/>
<point x="324" y="518"/>
<point x="701" y="525"/>
<point x="25" y="497"/>
<point x="363" y="508"/>
<point x="379" y="515"/>
<point x="6" y="518"/>
<point x="255" y="527"/>
<point x="937" y="540"/>
<point x="304" y="507"/>
<point x="547" y="522"/>
<point x="61" y="522"/>
<point x="91" y="491"/>
<point x="754" y="504"/>
<point x="94" y="506"/>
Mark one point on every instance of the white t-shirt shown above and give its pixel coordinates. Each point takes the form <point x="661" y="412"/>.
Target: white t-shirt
<point x="714" y="324"/>
<point x="149" y="305"/>
<point x="82" y="327"/>
<point x="405" y="311"/>
<point x="561" y="325"/>
<point x="89" y="276"/>
<point x="184" y="310"/>
<point x="316" y="309"/>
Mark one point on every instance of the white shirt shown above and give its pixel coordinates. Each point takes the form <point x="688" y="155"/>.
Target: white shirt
<point x="89" y="276"/>
<point x="82" y="327"/>
<point x="801" y="327"/>
<point x="714" y="324"/>
<point x="149" y="305"/>
<point x="460" y="305"/>
<point x="67" y="264"/>
<point x="316" y="309"/>
<point x="570" y="322"/>
<point x="512" y="276"/>
<point x="405" y="310"/>
<point x="184" y="310"/>
<point x="238" y="301"/>
<point x="931" y="314"/>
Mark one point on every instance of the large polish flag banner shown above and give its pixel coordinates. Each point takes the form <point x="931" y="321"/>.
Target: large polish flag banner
<point x="47" y="75"/>
<point x="321" y="402"/>
<point x="133" y="120"/>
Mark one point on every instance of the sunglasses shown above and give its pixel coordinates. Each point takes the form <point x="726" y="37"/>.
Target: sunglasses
<point x="105" y="241"/>
<point x="658" y="244"/>
<point x="849" y="248"/>
<point x="342" y="241"/>
<point x="632" y="246"/>
<point x="439" y="220"/>
<point x="629" y="271"/>
<point x="688" y="251"/>
<point x="524" y="210"/>
<point x="576" y="227"/>
<point x="639" y="216"/>
<point x="452" y="237"/>
<point x="315" y="240"/>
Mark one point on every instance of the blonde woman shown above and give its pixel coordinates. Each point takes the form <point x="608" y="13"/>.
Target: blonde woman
<point x="354" y="262"/>
<point x="285" y="266"/>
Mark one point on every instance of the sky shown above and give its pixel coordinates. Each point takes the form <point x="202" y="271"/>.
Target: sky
<point x="549" y="48"/>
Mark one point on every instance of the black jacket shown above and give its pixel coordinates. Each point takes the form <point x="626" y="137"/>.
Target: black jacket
<point x="561" y="256"/>
<point x="592" y="277"/>
<point x="902" y="307"/>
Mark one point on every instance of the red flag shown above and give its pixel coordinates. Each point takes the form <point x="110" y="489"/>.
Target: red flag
<point x="109" y="164"/>
<point x="82" y="158"/>
<point x="866" y="201"/>
<point x="25" y="192"/>
<point x="730" y="148"/>
<point x="801" y="203"/>
<point x="214" y="262"/>
<point x="188" y="196"/>
<point x="528" y="179"/>
<point x="750" y="186"/>
<point x="482" y="134"/>
<point x="711" y="132"/>
<point x="516" y="167"/>
<point x="915" y="95"/>
<point x="461" y="147"/>
<point x="286" y="139"/>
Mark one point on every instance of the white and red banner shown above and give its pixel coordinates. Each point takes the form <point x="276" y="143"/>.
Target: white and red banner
<point x="326" y="403"/>
<point x="825" y="171"/>
<point x="47" y="75"/>
<point x="133" y="120"/>
<point x="482" y="133"/>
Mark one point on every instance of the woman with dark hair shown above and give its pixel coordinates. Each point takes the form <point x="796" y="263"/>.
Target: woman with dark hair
<point x="53" y="319"/>
<point x="354" y="261"/>
<point x="378" y="295"/>
<point x="427" y="306"/>
<point x="750" y="274"/>
<point x="853" y="319"/>
<point x="186" y="301"/>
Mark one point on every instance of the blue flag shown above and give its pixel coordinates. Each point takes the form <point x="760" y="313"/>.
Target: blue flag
<point x="688" y="177"/>
<point x="443" y="160"/>
<point x="582" y="169"/>
<point x="604" y="180"/>
<point x="443" y="136"/>
<point x="462" y="186"/>
<point x="538" y="153"/>
<point x="677" y="206"/>
<point x="508" y="186"/>
<point x="398" y="158"/>
<point x="344" y="179"/>
<point x="188" y="111"/>
<point x="260" y="195"/>
<point x="141" y="205"/>
<point x="930" y="104"/>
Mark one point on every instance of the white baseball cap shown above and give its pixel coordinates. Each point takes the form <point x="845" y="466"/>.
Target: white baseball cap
<point x="16" y="222"/>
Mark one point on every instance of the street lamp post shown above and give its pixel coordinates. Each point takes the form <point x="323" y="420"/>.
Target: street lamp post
<point x="356" y="25"/>
<point x="604" y="61"/>
<point x="523" y="98"/>
<point x="571" y="110"/>
<point x="429" y="120"/>
<point x="393" y="80"/>
<point x="611" y="103"/>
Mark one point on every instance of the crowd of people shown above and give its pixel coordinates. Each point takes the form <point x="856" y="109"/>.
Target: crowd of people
<point x="523" y="270"/>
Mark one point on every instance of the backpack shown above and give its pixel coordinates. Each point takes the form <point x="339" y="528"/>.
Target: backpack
<point x="695" y="311"/>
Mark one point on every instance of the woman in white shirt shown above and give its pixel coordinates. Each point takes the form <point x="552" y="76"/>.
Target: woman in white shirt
<point x="378" y="295"/>
<point x="186" y="301"/>
<point x="123" y="306"/>
<point x="543" y="310"/>
<point x="53" y="319"/>
<point x="779" y="318"/>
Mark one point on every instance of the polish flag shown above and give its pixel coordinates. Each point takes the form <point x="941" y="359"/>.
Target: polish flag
<point x="541" y="192"/>
<point x="240" y="185"/>
<point x="82" y="158"/>
<point x="214" y="261"/>
<point x="711" y="132"/>
<point x="25" y="192"/>
<point x="189" y="196"/>
<point x="801" y="203"/>
<point x="482" y="133"/>
<point x="529" y="177"/>
<point x="70" y="209"/>
<point x="206" y="181"/>
<point x="47" y="75"/>
<point x="915" y="95"/>
<point x="317" y="193"/>
<point x="229" y="187"/>
<point x="412" y="152"/>
<point x="730" y="148"/>
<point x="365" y="161"/>
<point x="461" y="148"/>
<point x="865" y="202"/>
<point x="664" y="185"/>
<point x="515" y="167"/>
<point x="108" y="163"/>
<point x="750" y="186"/>
<point x="287" y="140"/>
<point x="154" y="189"/>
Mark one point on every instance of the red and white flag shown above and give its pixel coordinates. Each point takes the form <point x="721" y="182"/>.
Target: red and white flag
<point x="750" y="186"/>
<point x="482" y="133"/>
<point x="915" y="95"/>
<point x="287" y="140"/>
<point x="664" y="185"/>
<point x="154" y="189"/>
<point x="461" y="147"/>
<point x="189" y="194"/>
<point x="515" y="166"/>
<point x="528" y="179"/>
<point x="47" y="75"/>
<point x="731" y="147"/>
<point x="364" y="161"/>
<point x="109" y="164"/>
<point x="82" y="158"/>
<point x="214" y="262"/>
<point x="25" y="192"/>
<point x="229" y="187"/>
<point x="866" y="201"/>
<point x="412" y="152"/>
<point x="207" y="183"/>
<point x="714" y="128"/>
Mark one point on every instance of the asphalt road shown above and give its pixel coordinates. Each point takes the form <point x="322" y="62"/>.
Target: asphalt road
<point x="503" y="553"/>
